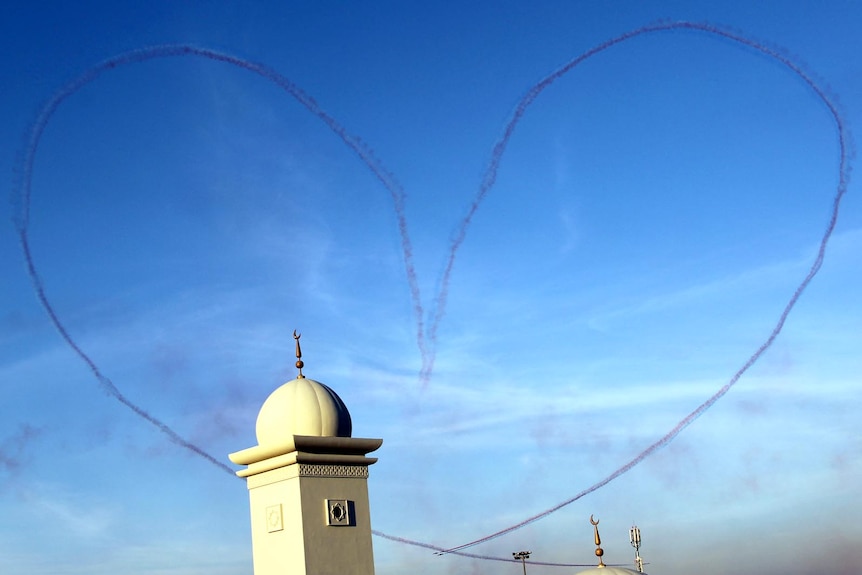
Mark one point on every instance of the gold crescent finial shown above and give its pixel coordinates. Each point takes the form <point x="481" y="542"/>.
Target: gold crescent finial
<point x="299" y="364"/>
<point x="598" y="540"/>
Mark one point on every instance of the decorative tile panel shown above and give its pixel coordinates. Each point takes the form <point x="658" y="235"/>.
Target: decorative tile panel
<point x="312" y="470"/>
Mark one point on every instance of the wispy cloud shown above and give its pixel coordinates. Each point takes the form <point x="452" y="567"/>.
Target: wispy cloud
<point x="74" y="514"/>
<point x="785" y="273"/>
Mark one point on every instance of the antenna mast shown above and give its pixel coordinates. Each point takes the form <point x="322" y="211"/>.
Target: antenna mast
<point x="635" y="538"/>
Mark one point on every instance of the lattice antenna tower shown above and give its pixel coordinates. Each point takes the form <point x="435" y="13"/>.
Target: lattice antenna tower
<point x="635" y="539"/>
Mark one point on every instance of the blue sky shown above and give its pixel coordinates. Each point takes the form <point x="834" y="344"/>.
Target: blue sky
<point x="653" y="213"/>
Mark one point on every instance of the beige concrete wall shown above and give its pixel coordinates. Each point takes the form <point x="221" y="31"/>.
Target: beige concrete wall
<point x="296" y="538"/>
<point x="336" y="550"/>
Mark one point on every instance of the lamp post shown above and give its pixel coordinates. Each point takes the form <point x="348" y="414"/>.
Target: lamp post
<point x="635" y="539"/>
<point x="523" y="556"/>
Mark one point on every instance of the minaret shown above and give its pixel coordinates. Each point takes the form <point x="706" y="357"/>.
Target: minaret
<point x="307" y="482"/>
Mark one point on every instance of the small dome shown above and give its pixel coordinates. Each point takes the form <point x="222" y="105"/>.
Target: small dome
<point x="302" y="407"/>
<point x="607" y="570"/>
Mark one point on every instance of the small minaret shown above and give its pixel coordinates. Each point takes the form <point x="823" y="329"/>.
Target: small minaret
<point x="307" y="482"/>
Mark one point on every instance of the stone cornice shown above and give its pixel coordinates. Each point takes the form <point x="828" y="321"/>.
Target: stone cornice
<point x="345" y="451"/>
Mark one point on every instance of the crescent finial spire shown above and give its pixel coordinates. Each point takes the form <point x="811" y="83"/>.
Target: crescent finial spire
<point x="599" y="550"/>
<point x="299" y="363"/>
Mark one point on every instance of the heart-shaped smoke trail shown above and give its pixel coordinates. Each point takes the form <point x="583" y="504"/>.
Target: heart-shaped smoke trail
<point x="426" y="344"/>
<point x="491" y="176"/>
<point x="21" y="199"/>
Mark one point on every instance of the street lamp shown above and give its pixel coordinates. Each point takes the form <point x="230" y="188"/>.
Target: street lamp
<point x="523" y="556"/>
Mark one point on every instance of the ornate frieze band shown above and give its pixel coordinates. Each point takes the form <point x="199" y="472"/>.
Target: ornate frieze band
<point x="313" y="470"/>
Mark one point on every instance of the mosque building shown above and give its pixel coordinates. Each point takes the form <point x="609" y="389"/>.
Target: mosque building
<point x="308" y="491"/>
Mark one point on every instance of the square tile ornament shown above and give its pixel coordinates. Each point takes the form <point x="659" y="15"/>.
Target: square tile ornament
<point x="274" y="519"/>
<point x="338" y="512"/>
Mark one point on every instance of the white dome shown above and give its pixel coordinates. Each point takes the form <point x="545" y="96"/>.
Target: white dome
<point x="609" y="571"/>
<point x="302" y="407"/>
